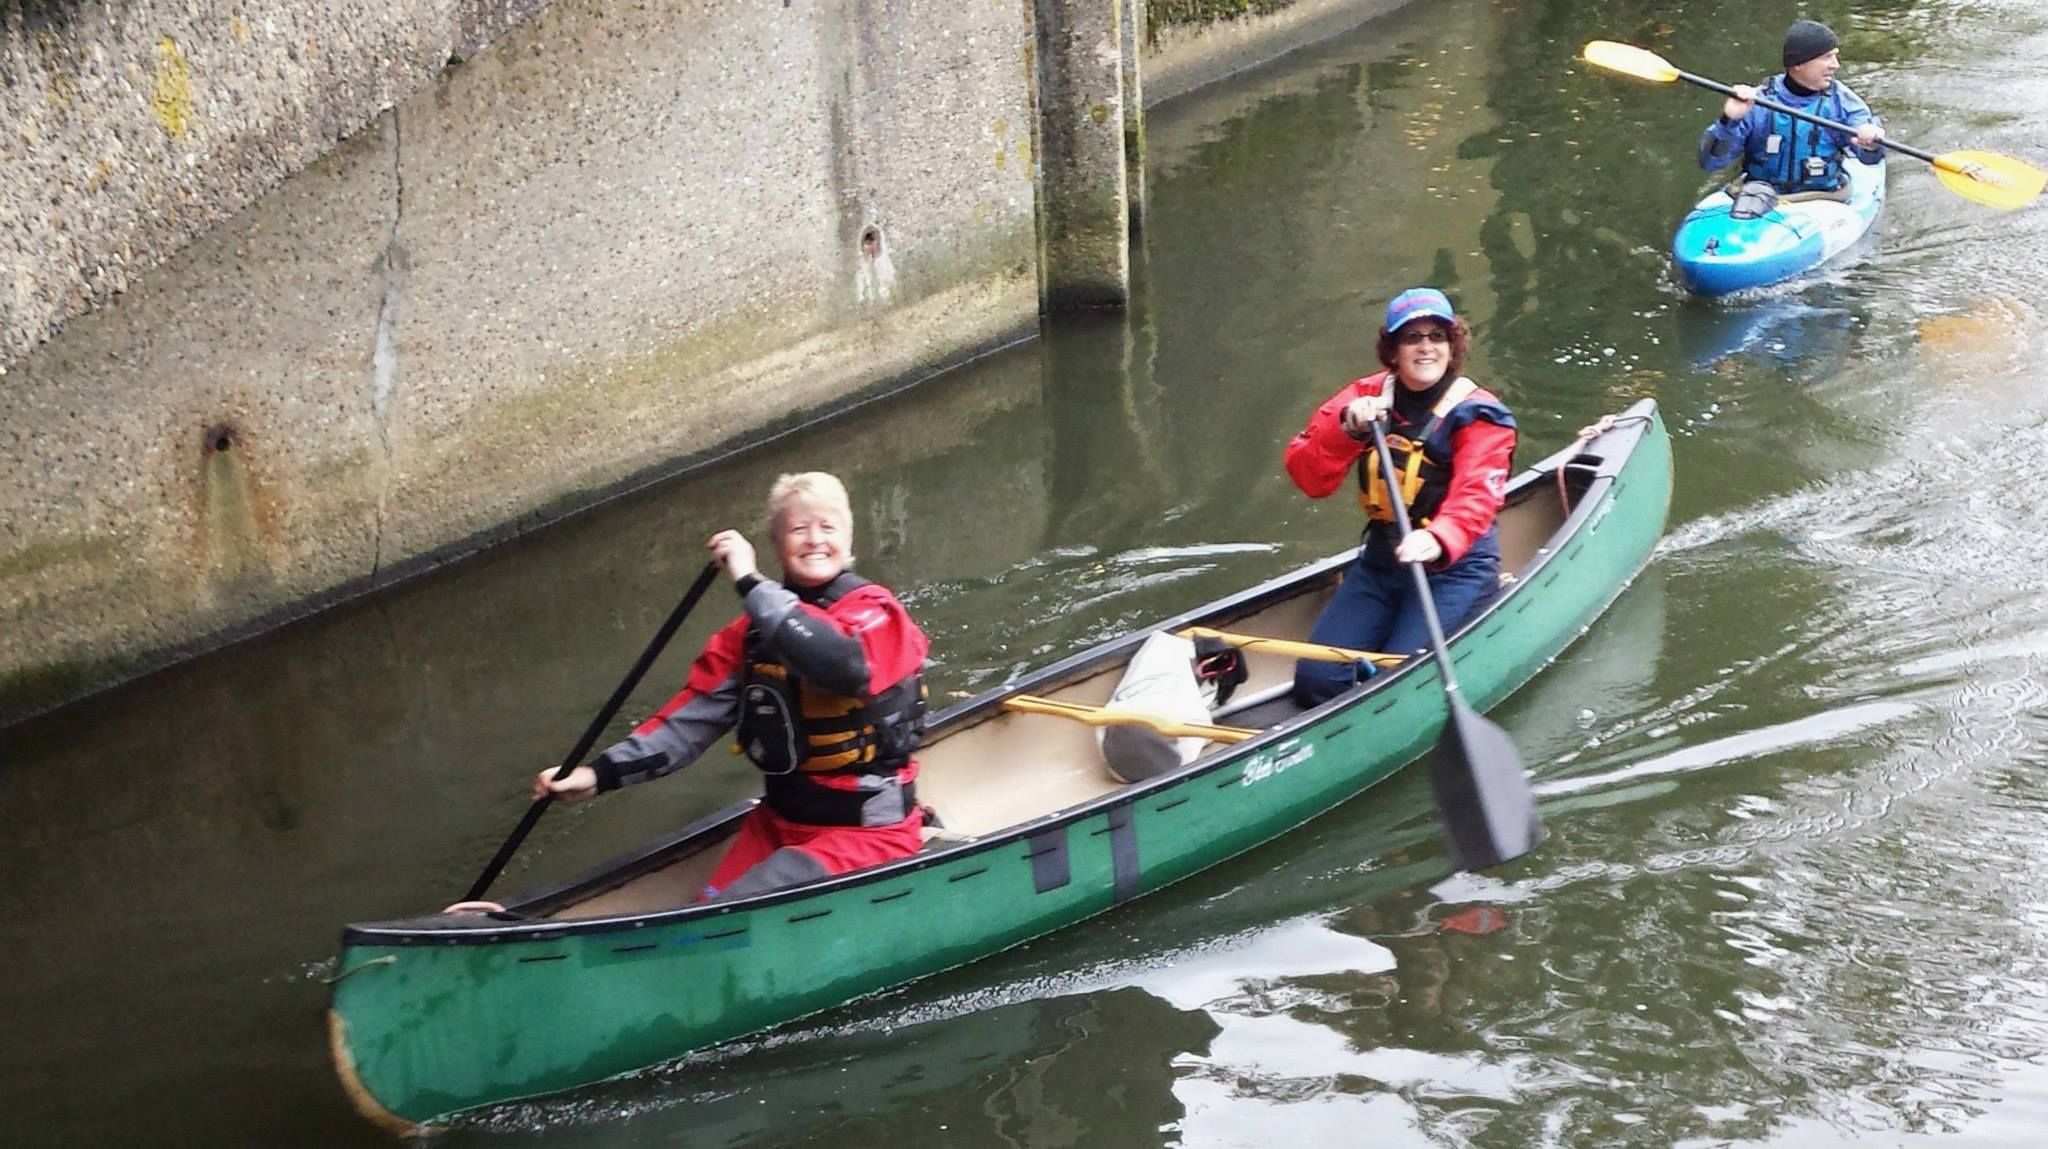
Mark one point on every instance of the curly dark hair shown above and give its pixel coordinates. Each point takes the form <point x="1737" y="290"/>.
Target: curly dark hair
<point x="1461" y="345"/>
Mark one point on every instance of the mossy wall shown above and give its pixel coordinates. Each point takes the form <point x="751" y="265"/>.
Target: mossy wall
<point x="1182" y="13"/>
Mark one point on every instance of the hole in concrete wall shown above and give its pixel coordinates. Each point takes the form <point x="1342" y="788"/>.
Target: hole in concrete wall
<point x="219" y="437"/>
<point x="871" y="241"/>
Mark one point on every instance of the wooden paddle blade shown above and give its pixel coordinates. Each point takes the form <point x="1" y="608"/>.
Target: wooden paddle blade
<point x="1629" y="60"/>
<point x="1990" y="178"/>
<point x="1481" y="791"/>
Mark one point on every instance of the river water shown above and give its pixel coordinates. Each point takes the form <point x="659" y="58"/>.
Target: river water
<point x="1795" y="780"/>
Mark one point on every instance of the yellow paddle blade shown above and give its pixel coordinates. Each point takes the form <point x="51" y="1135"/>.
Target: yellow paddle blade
<point x="1629" y="60"/>
<point x="1990" y="178"/>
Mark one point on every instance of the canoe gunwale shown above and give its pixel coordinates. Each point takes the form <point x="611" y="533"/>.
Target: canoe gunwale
<point x="1606" y="464"/>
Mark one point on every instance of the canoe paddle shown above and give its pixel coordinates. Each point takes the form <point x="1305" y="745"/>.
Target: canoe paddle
<point x="1480" y="789"/>
<point x="596" y="727"/>
<point x="2000" y="181"/>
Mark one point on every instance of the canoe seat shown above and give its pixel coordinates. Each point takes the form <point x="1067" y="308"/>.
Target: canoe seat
<point x="1269" y="706"/>
<point x="940" y="838"/>
<point x="1314" y="651"/>
<point x="1103" y="716"/>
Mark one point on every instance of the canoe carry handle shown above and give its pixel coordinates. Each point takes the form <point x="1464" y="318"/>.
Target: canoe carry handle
<point x="1313" y="651"/>
<point x="1097" y="716"/>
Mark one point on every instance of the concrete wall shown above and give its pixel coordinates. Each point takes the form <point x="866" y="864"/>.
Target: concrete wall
<point x="133" y="126"/>
<point x="626" y="235"/>
<point x="587" y="243"/>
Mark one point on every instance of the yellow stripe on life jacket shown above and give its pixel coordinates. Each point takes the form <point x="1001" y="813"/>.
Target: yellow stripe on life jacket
<point x="1409" y="455"/>
<point x="825" y="732"/>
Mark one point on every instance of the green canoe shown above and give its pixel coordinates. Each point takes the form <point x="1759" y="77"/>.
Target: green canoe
<point x="619" y="971"/>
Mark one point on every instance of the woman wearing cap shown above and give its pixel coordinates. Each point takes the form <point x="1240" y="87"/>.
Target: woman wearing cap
<point x="1791" y="155"/>
<point x="1452" y="443"/>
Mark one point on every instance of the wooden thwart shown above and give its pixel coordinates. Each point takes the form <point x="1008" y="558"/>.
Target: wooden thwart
<point x="1314" y="651"/>
<point x="1098" y="716"/>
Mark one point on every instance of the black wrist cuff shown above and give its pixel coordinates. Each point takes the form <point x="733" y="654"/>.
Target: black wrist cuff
<point x="747" y="584"/>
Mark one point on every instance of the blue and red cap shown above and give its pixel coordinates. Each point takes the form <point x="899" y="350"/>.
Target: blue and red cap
<point x="1418" y="303"/>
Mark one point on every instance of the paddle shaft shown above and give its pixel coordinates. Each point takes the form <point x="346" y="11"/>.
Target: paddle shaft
<point x="1480" y="788"/>
<point x="1422" y="591"/>
<point x="596" y="728"/>
<point x="1809" y="117"/>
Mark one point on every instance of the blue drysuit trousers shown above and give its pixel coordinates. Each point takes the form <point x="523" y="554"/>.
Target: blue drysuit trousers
<point x="1375" y="609"/>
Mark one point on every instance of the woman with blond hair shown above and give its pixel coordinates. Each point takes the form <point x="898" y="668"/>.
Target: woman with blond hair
<point x="823" y="675"/>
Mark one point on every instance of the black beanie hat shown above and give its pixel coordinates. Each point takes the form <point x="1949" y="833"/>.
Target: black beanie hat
<point x="1806" y="39"/>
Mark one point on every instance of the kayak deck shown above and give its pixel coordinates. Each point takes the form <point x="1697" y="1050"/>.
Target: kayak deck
<point x="1717" y="254"/>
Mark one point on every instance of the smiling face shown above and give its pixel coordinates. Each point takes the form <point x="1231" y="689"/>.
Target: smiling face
<point x="1422" y="353"/>
<point x="814" y="541"/>
<point x="1816" y="74"/>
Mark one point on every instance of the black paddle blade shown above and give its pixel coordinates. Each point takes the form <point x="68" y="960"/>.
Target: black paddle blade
<point x="1481" y="791"/>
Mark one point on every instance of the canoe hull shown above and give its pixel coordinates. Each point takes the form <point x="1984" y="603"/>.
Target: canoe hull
<point x="431" y="1020"/>
<point x="1717" y="254"/>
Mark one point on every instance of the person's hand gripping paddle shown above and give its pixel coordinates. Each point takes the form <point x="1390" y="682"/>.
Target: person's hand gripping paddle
<point x="2000" y="181"/>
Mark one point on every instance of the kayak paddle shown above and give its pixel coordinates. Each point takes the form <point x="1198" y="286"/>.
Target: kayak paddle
<point x="590" y="733"/>
<point x="2000" y="181"/>
<point x="1480" y="789"/>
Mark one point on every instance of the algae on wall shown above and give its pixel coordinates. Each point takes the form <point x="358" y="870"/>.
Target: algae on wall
<point x="1165" y="13"/>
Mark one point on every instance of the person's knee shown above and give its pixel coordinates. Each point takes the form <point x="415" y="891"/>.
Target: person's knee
<point x="785" y="867"/>
<point x="1458" y="600"/>
<point x="1317" y="682"/>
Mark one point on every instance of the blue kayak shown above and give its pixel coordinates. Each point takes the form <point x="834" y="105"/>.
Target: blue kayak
<point x="1718" y="253"/>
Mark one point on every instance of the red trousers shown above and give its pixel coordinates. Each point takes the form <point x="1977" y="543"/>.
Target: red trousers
<point x="838" y="848"/>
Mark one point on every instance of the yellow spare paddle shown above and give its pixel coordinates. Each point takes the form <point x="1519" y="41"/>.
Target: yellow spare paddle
<point x="2000" y="181"/>
<point x="1098" y="716"/>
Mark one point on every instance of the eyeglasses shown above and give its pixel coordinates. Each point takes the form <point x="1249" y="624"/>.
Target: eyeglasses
<point x="1430" y="334"/>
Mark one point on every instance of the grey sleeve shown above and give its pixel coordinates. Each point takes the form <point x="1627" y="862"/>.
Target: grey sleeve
<point x="818" y="653"/>
<point x="685" y="733"/>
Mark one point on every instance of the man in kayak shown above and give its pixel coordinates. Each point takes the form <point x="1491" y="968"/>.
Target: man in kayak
<point x="823" y="674"/>
<point x="1792" y="155"/>
<point x="1452" y="444"/>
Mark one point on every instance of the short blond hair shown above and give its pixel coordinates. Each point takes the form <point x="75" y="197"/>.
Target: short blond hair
<point x="813" y="488"/>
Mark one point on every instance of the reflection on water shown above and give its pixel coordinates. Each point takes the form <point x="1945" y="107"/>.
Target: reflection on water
<point x="1083" y="1068"/>
<point x="1802" y="332"/>
<point x="1794" y="780"/>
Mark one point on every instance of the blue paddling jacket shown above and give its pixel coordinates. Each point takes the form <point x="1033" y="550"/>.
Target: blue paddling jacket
<point x="1789" y="154"/>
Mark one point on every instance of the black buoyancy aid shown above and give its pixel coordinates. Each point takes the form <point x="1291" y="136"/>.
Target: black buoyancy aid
<point x="788" y="725"/>
<point x="1422" y="463"/>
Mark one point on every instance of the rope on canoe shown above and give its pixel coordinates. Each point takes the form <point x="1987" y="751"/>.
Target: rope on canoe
<point x="1587" y="434"/>
<point x="387" y="959"/>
